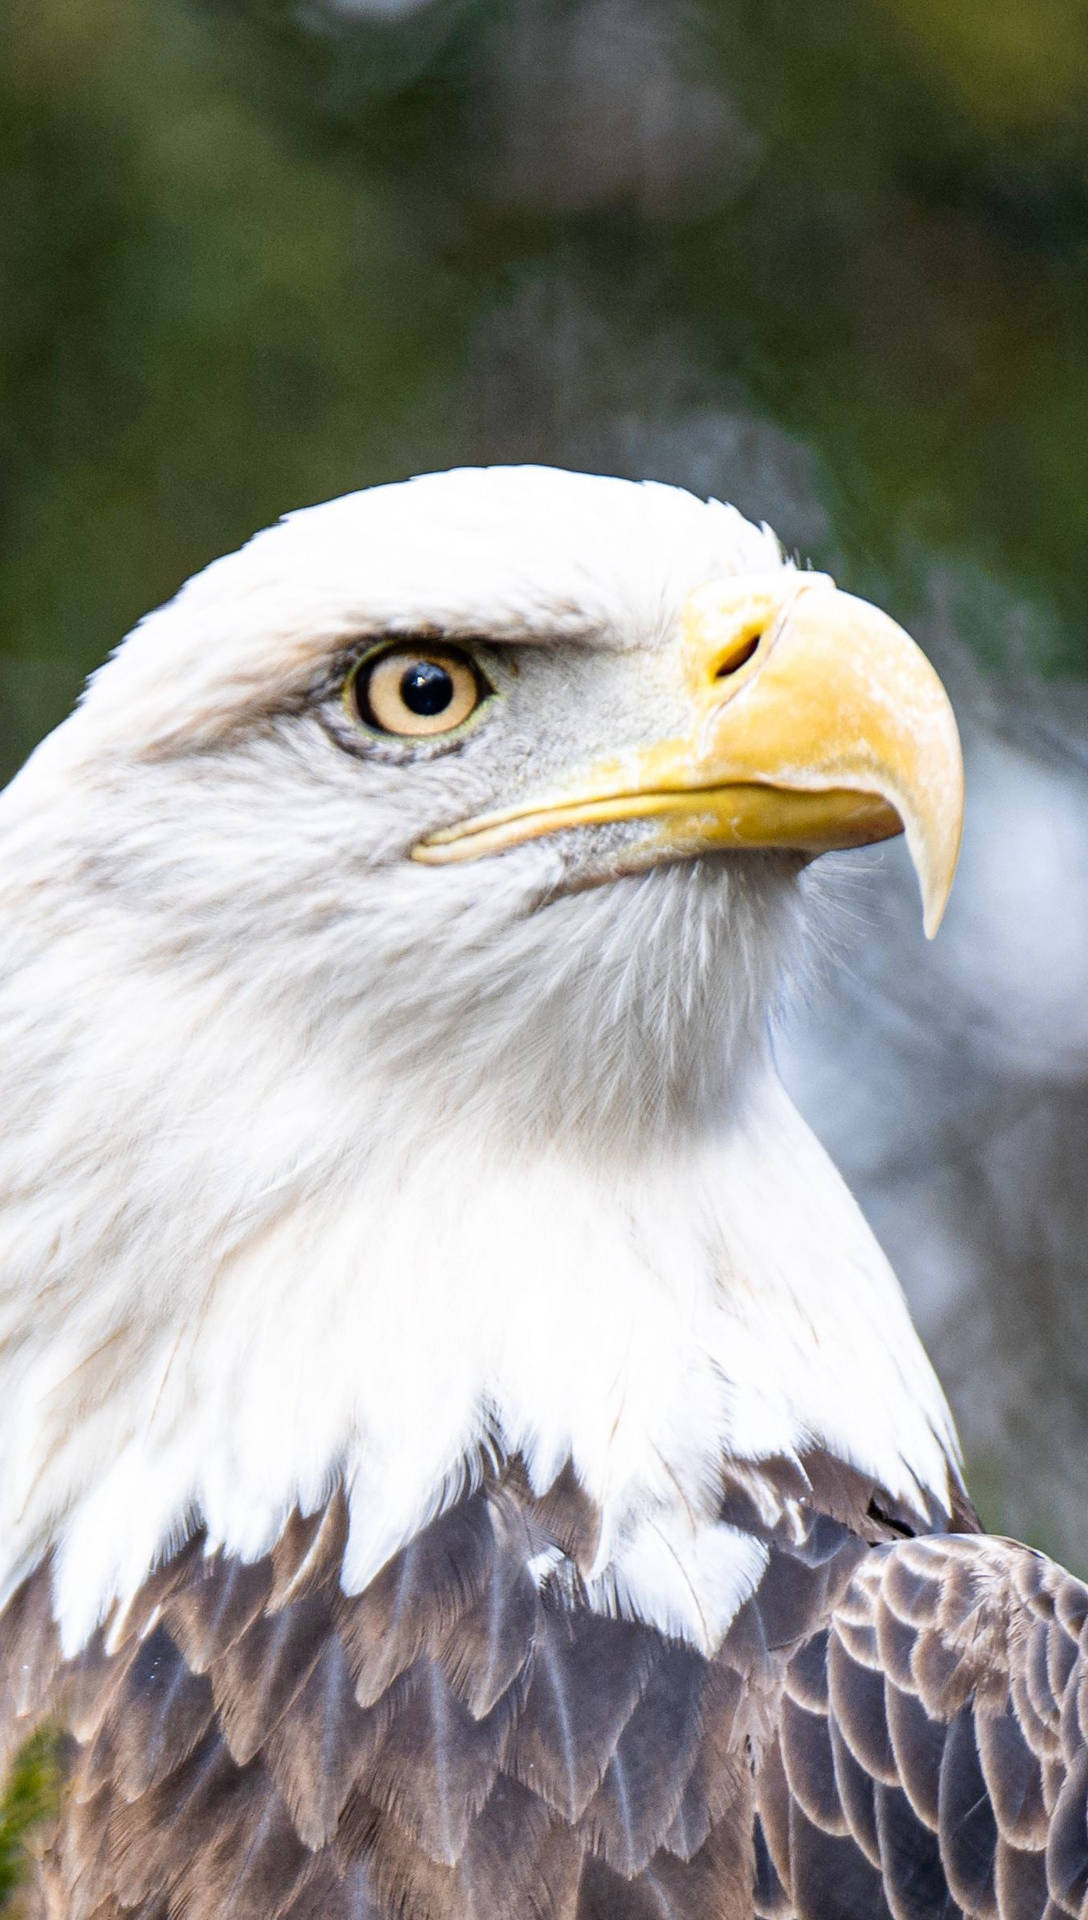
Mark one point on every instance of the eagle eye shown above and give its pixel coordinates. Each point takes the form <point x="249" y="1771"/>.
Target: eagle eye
<point x="415" y="691"/>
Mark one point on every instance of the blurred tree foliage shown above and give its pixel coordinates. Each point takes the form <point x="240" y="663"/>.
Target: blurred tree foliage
<point x="255" y="253"/>
<point x="31" y="1787"/>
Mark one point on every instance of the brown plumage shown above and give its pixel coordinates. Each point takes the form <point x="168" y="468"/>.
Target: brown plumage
<point x="893" y="1726"/>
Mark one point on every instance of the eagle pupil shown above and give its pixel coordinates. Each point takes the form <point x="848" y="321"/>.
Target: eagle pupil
<point x="426" y="688"/>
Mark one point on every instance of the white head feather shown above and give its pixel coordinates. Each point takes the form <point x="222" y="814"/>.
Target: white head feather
<point x="319" y="1162"/>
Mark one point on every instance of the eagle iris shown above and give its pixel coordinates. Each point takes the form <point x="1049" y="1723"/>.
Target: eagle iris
<point x="411" y="691"/>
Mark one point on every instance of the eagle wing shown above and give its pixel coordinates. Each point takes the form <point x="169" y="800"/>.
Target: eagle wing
<point x="892" y="1730"/>
<point x="930" y="1754"/>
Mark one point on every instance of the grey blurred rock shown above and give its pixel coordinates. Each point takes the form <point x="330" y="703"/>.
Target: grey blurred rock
<point x="602" y="102"/>
<point x="950" y="1084"/>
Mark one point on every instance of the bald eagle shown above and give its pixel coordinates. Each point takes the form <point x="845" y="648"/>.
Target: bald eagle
<point x="465" y="1456"/>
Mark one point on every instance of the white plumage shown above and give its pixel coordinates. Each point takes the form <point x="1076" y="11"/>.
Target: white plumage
<point x="319" y="1163"/>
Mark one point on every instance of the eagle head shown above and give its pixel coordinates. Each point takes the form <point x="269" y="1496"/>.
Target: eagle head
<point x="499" y="784"/>
<point x="391" y="935"/>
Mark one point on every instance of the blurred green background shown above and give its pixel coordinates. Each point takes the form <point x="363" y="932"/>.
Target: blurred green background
<point x="257" y="253"/>
<point x="827" y="259"/>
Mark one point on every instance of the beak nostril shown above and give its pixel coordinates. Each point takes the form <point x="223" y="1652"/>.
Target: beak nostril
<point x="737" y="655"/>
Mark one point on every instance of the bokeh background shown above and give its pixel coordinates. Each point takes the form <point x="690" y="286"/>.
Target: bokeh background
<point x="827" y="259"/>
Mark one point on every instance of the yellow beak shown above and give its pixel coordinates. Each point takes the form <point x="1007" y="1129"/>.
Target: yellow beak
<point x="815" y="723"/>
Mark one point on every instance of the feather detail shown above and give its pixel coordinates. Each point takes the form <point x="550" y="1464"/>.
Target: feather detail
<point x="887" y="1730"/>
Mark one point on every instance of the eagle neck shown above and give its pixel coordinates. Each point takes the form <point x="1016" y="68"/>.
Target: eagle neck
<point x="646" y="1323"/>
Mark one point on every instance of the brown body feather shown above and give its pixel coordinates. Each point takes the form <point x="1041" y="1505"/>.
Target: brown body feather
<point x="894" y="1729"/>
